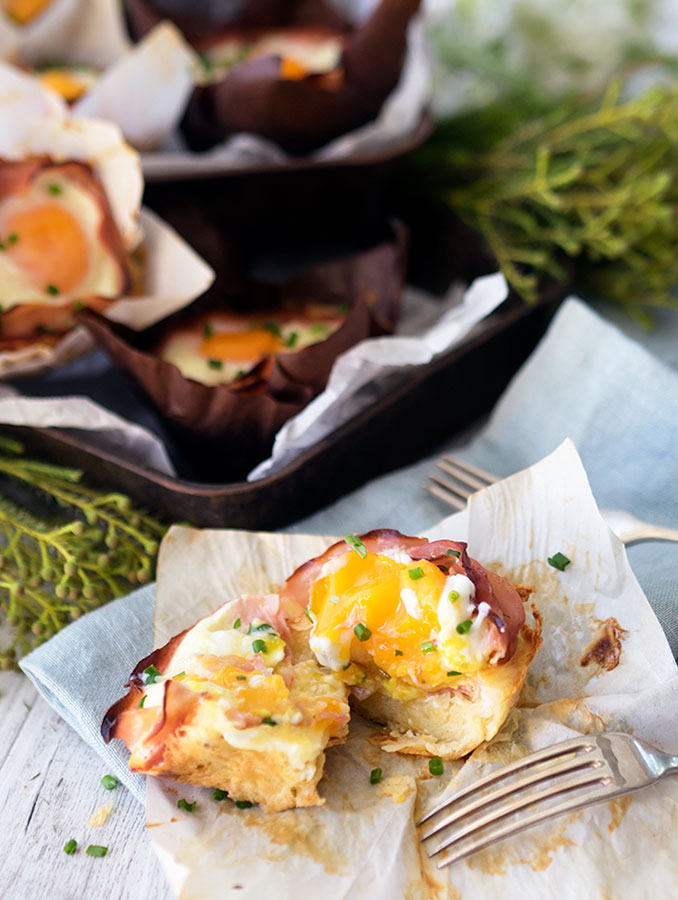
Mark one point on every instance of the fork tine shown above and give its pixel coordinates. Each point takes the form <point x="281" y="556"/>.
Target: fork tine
<point x="445" y="496"/>
<point x="564" y="748"/>
<point x="473" y="482"/>
<point x="451" y="487"/>
<point x="508" y="829"/>
<point x="567" y="766"/>
<point x="482" y="474"/>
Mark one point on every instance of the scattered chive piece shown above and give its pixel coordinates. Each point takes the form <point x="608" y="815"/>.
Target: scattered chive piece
<point x="416" y="574"/>
<point x="435" y="766"/>
<point x="110" y="782"/>
<point x="307" y="613"/>
<point x="184" y="804"/>
<point x="2" y="246"/>
<point x="243" y="804"/>
<point x="215" y="364"/>
<point x="207" y="330"/>
<point x="152" y="674"/>
<point x="272" y="327"/>
<point x="241" y="677"/>
<point x="343" y="668"/>
<point x="178" y="675"/>
<point x="375" y="776"/>
<point x="428" y="647"/>
<point x="442" y="568"/>
<point x="70" y="846"/>
<point x="450" y="674"/>
<point x="12" y="238"/>
<point x="141" y="702"/>
<point x="78" y="305"/>
<point x="399" y="653"/>
<point x="236" y="624"/>
<point x="55" y="189"/>
<point x="263" y="627"/>
<point x="218" y="794"/>
<point x="291" y="339"/>
<point x="356" y="544"/>
<point x="362" y="632"/>
<point x="452" y="553"/>
<point x="268" y="721"/>
<point x="319" y="328"/>
<point x="240" y="373"/>
<point x="453" y="596"/>
<point x="333" y="599"/>
<point x="96" y="850"/>
<point x="464" y="627"/>
<point x="259" y="646"/>
<point x="52" y="289"/>
<point x="40" y="329"/>
<point x="559" y="561"/>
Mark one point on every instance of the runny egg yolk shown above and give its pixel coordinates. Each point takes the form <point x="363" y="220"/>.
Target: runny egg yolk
<point x="50" y="247"/>
<point x="24" y="11"/>
<point x="67" y="85"/>
<point x="241" y="346"/>
<point x="410" y="613"/>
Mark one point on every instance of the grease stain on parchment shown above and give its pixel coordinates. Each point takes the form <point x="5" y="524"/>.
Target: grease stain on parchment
<point x="537" y="851"/>
<point x="618" y="809"/>
<point x="302" y="836"/>
<point x="605" y="648"/>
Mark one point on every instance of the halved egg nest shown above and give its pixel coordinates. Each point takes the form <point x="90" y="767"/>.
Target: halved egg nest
<point x="70" y="82"/>
<point x="221" y="347"/>
<point x="60" y="248"/>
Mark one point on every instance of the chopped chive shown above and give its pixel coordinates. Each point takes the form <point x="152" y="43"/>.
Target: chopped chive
<point x="442" y="568"/>
<point x="184" y="804"/>
<point x="399" y="653"/>
<point x="2" y="246"/>
<point x="259" y="646"/>
<point x="12" y="238"/>
<point x="450" y="674"/>
<point x="55" y="189"/>
<point x="110" y="782"/>
<point x="236" y="624"/>
<point x="96" y="850"/>
<point x="207" y="330"/>
<point x="141" y="702"/>
<point x="178" y="675"/>
<point x="464" y="627"/>
<point x="356" y="544"/>
<point x="416" y="574"/>
<point x="319" y="328"/>
<point x="78" y="305"/>
<point x="453" y="596"/>
<point x="362" y="632"/>
<point x="263" y="627"/>
<point x="241" y="677"/>
<point x="40" y="329"/>
<point x="267" y="720"/>
<point x="291" y="339"/>
<point x="52" y="289"/>
<point x="559" y="561"/>
<point x="452" y="553"/>
<point x="272" y="327"/>
<point x="151" y="674"/>
<point x="333" y="599"/>
<point x="218" y="794"/>
<point x="435" y="766"/>
<point x="243" y="804"/>
<point x="240" y="373"/>
<point x="348" y="664"/>
<point x="428" y="647"/>
<point x="70" y="846"/>
<point x="375" y="776"/>
<point x="307" y="613"/>
<point x="215" y="364"/>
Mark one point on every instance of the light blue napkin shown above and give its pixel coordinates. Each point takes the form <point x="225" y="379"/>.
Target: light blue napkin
<point x="585" y="380"/>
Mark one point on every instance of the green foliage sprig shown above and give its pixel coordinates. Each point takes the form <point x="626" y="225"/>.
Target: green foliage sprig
<point x="595" y="181"/>
<point x="90" y="547"/>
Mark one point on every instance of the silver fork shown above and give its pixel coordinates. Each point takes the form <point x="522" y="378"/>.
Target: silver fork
<point x="467" y="479"/>
<point x="548" y="783"/>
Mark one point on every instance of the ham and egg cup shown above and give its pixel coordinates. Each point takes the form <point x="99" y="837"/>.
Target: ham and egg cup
<point x="423" y="639"/>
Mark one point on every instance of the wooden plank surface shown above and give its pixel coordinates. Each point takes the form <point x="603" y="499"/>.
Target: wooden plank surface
<point x="50" y="784"/>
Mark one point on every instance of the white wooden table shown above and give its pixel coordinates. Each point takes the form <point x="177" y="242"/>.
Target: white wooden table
<point x="50" y="784"/>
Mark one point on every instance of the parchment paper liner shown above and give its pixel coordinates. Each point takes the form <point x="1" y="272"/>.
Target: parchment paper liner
<point x="230" y="427"/>
<point x="302" y="115"/>
<point x="363" y="845"/>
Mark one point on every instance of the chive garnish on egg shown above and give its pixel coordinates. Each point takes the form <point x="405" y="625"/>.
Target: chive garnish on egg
<point x="141" y="702"/>
<point x="559" y="561"/>
<point x="151" y="674"/>
<point x="207" y="330"/>
<point x="291" y="339"/>
<point x="258" y="646"/>
<point x="464" y="627"/>
<point x="236" y="624"/>
<point x="52" y="289"/>
<point x="267" y="720"/>
<point x="356" y="544"/>
<point x="12" y="238"/>
<point x="178" y="675"/>
<point x="428" y="647"/>
<point x="241" y="677"/>
<point x="399" y="653"/>
<point x="416" y="574"/>
<point x="362" y="632"/>
<point x="215" y="364"/>
<point x="450" y="674"/>
<point x="453" y="596"/>
<point x="55" y="189"/>
<point x="307" y="613"/>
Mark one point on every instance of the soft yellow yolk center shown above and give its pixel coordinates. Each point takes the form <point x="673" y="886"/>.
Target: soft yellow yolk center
<point x="240" y="346"/>
<point x="23" y="11"/>
<point x="65" y="84"/>
<point x="49" y="246"/>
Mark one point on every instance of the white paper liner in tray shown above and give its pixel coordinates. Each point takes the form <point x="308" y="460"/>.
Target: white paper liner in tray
<point x="362" y="843"/>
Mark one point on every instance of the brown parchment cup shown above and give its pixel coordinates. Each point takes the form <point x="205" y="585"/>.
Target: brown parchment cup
<point x="225" y="430"/>
<point x="298" y="115"/>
